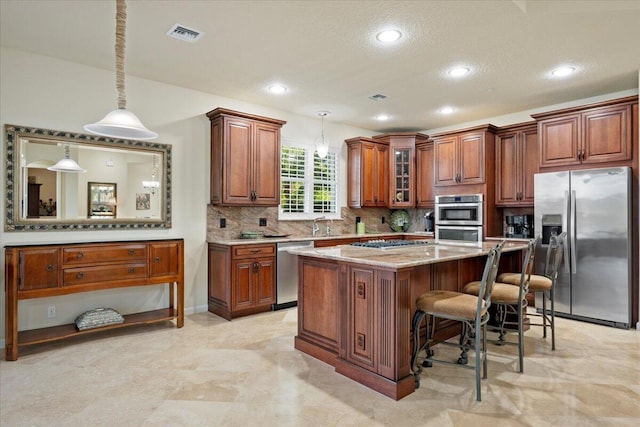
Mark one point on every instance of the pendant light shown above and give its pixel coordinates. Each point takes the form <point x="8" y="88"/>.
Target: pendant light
<point x="66" y="164"/>
<point x="152" y="185"/>
<point x="121" y="123"/>
<point x="322" y="145"/>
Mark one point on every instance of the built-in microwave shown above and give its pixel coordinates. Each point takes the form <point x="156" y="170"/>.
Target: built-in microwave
<point x="459" y="234"/>
<point x="464" y="209"/>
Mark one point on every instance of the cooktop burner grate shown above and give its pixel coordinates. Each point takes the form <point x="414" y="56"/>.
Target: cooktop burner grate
<point x="386" y="244"/>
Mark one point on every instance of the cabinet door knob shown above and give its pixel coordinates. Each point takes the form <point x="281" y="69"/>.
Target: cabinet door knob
<point x="50" y="267"/>
<point x="79" y="255"/>
<point x="132" y="252"/>
<point x="156" y="259"/>
<point x="132" y="269"/>
<point x="80" y="275"/>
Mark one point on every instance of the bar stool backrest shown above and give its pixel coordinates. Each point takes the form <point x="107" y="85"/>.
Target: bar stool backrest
<point x="528" y="265"/>
<point x="554" y="256"/>
<point x="488" y="279"/>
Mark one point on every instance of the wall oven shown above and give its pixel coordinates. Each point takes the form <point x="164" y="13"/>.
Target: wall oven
<point x="459" y="218"/>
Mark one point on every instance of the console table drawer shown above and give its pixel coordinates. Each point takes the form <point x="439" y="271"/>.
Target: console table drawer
<point x="106" y="273"/>
<point x="104" y="253"/>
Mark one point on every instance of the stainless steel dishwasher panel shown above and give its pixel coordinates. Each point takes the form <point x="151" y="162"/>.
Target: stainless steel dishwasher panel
<point x="287" y="274"/>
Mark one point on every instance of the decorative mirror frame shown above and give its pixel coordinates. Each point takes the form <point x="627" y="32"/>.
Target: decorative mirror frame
<point x="13" y="221"/>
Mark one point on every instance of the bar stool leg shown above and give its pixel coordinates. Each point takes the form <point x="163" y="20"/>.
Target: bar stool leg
<point x="544" y="314"/>
<point x="553" y="319"/>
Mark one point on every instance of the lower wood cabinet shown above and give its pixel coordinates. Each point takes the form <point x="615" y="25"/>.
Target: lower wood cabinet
<point x="242" y="279"/>
<point x="39" y="271"/>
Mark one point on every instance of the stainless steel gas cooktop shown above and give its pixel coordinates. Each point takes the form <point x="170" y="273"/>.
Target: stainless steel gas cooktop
<point x="387" y="244"/>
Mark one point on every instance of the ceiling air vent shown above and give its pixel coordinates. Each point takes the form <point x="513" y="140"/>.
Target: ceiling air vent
<point x="377" y="97"/>
<point x="181" y="32"/>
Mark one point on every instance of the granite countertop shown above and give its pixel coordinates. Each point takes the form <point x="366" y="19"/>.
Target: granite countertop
<point x="301" y="238"/>
<point x="406" y="256"/>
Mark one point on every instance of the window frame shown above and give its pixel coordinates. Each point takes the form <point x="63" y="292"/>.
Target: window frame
<point x="309" y="185"/>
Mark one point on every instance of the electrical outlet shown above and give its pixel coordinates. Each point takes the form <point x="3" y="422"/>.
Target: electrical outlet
<point x="358" y="219"/>
<point x="383" y="220"/>
<point x="263" y="222"/>
<point x="51" y="311"/>
<point x="223" y="222"/>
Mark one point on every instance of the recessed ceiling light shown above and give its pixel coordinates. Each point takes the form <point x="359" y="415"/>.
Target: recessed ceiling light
<point x="277" y="89"/>
<point x="563" y="71"/>
<point x="459" y="71"/>
<point x="447" y="110"/>
<point x="382" y="117"/>
<point x="388" y="36"/>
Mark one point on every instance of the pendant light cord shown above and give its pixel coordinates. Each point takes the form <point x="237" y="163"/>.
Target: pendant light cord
<point x="121" y="17"/>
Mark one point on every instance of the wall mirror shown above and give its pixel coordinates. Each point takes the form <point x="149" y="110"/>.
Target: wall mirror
<point x="118" y="184"/>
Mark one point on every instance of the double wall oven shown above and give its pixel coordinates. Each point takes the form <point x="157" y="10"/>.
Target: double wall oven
<point x="459" y="218"/>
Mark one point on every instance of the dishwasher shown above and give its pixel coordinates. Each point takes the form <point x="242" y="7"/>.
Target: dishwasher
<point x="287" y="274"/>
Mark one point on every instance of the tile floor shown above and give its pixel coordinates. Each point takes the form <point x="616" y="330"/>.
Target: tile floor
<point x="246" y="372"/>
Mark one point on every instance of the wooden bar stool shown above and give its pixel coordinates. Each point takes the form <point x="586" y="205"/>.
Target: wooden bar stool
<point x="471" y="311"/>
<point x="511" y="300"/>
<point x="544" y="284"/>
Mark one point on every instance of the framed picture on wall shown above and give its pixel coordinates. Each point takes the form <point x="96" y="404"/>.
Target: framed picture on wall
<point x="101" y="199"/>
<point x="143" y="201"/>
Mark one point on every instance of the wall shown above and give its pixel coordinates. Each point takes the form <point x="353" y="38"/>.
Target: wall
<point x="49" y="93"/>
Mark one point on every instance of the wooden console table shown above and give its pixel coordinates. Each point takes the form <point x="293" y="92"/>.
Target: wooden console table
<point x="38" y="271"/>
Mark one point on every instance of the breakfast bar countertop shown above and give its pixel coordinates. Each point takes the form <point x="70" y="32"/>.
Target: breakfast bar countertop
<point x="405" y="256"/>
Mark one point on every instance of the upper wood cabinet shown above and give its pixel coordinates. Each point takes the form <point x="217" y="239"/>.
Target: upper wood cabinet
<point x="460" y="157"/>
<point x="245" y="159"/>
<point x="590" y="134"/>
<point x="425" y="197"/>
<point x="368" y="173"/>
<point x="516" y="164"/>
<point x="402" y="167"/>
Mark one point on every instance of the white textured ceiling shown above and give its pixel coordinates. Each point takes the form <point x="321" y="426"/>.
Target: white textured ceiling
<point x="325" y="52"/>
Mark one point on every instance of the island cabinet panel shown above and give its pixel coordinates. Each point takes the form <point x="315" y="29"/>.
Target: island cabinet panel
<point x="361" y="316"/>
<point x="41" y="271"/>
<point x="319" y="296"/>
<point x="241" y="279"/>
<point x="587" y="135"/>
<point x="245" y="159"/>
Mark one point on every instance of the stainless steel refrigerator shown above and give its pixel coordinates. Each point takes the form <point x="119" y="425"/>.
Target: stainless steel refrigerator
<point x="594" y="207"/>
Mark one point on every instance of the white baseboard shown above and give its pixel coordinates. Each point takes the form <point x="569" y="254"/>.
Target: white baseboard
<point x="197" y="309"/>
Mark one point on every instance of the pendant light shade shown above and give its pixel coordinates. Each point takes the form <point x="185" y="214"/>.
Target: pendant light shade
<point x="66" y="164"/>
<point x="121" y="123"/>
<point x="322" y="145"/>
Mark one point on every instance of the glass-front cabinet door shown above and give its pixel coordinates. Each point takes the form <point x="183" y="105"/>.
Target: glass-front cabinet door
<point x="402" y="177"/>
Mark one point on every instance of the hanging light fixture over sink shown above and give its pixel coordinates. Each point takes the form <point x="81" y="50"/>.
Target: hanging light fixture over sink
<point x="121" y="123"/>
<point x="322" y="145"/>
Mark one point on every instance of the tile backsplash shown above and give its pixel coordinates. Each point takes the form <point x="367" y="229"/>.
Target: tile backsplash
<point x="239" y="219"/>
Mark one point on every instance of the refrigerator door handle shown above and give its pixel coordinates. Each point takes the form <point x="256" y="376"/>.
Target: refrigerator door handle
<point x="574" y="255"/>
<point x="565" y="215"/>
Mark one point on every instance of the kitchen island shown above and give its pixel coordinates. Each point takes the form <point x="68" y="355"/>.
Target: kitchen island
<point x="355" y="304"/>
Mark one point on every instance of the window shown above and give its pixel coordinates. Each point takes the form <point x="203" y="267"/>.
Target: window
<point x="308" y="184"/>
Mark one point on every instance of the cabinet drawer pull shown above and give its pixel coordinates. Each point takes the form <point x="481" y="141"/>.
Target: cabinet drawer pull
<point x="132" y="252"/>
<point x="156" y="259"/>
<point x="50" y="267"/>
<point x="80" y="275"/>
<point x="255" y="251"/>
<point x="132" y="270"/>
<point x="79" y="255"/>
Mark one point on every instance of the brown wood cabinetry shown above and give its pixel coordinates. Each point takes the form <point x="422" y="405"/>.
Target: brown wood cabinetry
<point x="425" y="197"/>
<point x="590" y="134"/>
<point x="52" y="270"/>
<point x="460" y="157"/>
<point x="245" y="159"/>
<point x="368" y="173"/>
<point x="516" y="164"/>
<point x="402" y="167"/>
<point x="242" y="279"/>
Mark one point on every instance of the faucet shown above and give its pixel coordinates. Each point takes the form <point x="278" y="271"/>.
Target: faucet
<point x="316" y="227"/>
<point x="329" y="223"/>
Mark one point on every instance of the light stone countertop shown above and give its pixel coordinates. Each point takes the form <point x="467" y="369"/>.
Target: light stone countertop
<point x="405" y="256"/>
<point x="303" y="238"/>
